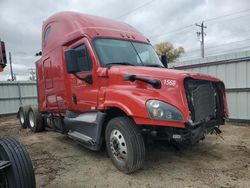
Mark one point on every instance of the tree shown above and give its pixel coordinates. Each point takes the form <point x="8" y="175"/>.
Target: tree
<point x="166" y="48"/>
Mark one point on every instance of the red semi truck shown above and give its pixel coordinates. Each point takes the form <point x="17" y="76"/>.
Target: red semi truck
<point x="100" y="81"/>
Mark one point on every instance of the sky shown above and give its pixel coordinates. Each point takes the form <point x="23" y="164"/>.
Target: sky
<point x="227" y="21"/>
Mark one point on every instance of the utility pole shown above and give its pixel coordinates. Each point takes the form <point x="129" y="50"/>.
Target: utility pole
<point x="32" y="73"/>
<point x="202" y="38"/>
<point x="11" y="71"/>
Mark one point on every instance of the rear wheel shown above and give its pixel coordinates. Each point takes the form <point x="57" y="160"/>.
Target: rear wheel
<point x="35" y="119"/>
<point x="18" y="173"/>
<point x="22" y="115"/>
<point x="125" y="144"/>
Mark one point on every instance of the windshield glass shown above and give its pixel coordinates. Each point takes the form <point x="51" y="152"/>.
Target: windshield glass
<point x="122" y="52"/>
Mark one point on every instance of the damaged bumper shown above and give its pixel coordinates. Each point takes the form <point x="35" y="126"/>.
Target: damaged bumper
<point x="194" y="134"/>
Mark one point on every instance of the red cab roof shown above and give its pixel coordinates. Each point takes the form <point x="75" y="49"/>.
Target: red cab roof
<point x="68" y="26"/>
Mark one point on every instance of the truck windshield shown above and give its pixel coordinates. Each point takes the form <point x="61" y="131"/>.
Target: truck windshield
<point x="122" y="52"/>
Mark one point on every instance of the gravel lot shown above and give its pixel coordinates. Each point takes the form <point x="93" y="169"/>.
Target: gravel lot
<point x="214" y="162"/>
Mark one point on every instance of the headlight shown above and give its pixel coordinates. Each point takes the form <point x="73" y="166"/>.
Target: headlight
<point x="163" y="111"/>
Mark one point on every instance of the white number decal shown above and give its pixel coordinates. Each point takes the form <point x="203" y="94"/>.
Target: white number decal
<point x="169" y="82"/>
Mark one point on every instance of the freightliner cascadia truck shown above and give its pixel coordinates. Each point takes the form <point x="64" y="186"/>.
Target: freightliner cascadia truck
<point x="99" y="81"/>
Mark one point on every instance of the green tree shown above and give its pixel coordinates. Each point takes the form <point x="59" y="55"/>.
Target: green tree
<point x="168" y="49"/>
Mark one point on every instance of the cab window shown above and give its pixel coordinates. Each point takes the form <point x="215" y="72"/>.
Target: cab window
<point x="46" y="35"/>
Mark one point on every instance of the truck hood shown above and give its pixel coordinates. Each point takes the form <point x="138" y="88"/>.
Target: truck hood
<point x="160" y="73"/>
<point x="155" y="72"/>
<point x="128" y="95"/>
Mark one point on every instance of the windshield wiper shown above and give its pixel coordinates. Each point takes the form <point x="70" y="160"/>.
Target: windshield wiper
<point x="154" y="65"/>
<point x="119" y="63"/>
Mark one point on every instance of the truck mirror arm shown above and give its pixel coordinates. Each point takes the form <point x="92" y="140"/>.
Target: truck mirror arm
<point x="131" y="77"/>
<point x="88" y="79"/>
<point x="164" y="60"/>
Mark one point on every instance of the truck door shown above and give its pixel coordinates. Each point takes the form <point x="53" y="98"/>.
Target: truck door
<point x="48" y="80"/>
<point x="83" y="93"/>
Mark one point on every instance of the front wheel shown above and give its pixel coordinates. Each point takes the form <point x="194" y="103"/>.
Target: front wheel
<point x="125" y="144"/>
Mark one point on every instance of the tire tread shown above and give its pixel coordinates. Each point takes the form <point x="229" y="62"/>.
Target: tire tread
<point x="25" y="110"/>
<point x="21" y="166"/>
<point x="138" y="151"/>
<point x="38" y="127"/>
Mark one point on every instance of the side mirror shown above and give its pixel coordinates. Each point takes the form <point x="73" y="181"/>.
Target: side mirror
<point x="164" y="60"/>
<point x="71" y="57"/>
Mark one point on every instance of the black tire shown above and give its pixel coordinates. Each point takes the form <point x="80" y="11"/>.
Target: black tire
<point x="23" y="116"/>
<point x="35" y="119"/>
<point x="20" y="174"/>
<point x="124" y="131"/>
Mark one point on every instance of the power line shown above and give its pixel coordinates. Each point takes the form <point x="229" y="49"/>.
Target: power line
<point x="206" y="20"/>
<point x="212" y="47"/>
<point x="218" y="53"/>
<point x="173" y="31"/>
<point x="231" y="35"/>
<point x="135" y="9"/>
<point x="229" y="43"/>
<point x="212" y="51"/>
<point x="229" y="19"/>
<point x="226" y="15"/>
<point x="240" y="48"/>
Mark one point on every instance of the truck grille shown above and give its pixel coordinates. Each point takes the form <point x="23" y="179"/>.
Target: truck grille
<point x="202" y="97"/>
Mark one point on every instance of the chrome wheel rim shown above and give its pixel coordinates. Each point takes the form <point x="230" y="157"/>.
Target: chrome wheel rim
<point x="118" y="145"/>
<point x="31" y="119"/>
<point x="21" y="116"/>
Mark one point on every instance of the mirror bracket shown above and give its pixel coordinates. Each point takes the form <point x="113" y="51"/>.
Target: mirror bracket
<point x="88" y="79"/>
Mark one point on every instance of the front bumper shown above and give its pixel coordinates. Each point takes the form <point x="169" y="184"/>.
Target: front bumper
<point x="189" y="134"/>
<point x="194" y="134"/>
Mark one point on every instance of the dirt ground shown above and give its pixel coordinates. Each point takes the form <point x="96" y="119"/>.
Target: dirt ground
<point x="60" y="162"/>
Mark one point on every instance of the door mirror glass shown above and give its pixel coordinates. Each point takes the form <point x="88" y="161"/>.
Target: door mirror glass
<point x="78" y="60"/>
<point x="164" y="60"/>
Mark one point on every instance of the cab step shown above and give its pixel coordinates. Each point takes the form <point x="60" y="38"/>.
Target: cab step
<point x="82" y="138"/>
<point x="86" y="128"/>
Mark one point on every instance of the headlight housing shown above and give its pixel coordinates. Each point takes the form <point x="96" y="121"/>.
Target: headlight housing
<point x="162" y="111"/>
